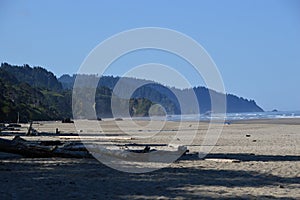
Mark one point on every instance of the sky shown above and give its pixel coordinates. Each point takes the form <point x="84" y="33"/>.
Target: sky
<point x="255" y="44"/>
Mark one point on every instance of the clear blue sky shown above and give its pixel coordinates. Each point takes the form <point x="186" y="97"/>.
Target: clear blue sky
<point x="255" y="44"/>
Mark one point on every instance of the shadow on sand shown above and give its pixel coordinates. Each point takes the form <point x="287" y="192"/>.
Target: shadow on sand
<point x="86" y="178"/>
<point x="245" y="157"/>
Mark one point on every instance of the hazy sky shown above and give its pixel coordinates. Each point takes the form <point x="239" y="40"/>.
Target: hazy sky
<point x="255" y="44"/>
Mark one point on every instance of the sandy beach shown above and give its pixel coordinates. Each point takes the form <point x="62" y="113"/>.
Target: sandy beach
<point x="257" y="159"/>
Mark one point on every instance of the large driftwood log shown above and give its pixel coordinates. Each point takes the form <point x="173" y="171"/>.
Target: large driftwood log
<point x="33" y="149"/>
<point x="78" y="150"/>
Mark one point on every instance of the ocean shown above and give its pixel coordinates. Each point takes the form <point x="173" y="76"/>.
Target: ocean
<point x="229" y="116"/>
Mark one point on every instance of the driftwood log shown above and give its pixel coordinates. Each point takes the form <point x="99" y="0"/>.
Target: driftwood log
<point x="41" y="150"/>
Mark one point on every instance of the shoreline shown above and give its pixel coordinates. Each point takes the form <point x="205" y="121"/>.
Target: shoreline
<point x="287" y="121"/>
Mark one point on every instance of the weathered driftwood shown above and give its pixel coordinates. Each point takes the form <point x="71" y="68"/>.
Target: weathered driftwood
<point x="78" y="150"/>
<point x="36" y="150"/>
<point x="145" y="155"/>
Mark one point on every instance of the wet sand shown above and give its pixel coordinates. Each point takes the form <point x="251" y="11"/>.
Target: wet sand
<point x="267" y="150"/>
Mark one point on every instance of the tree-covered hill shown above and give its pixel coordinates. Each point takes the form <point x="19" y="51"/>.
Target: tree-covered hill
<point x="36" y="94"/>
<point x="37" y="77"/>
<point x="168" y="97"/>
<point x="30" y="103"/>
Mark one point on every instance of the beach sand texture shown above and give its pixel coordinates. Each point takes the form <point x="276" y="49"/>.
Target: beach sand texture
<point x="252" y="160"/>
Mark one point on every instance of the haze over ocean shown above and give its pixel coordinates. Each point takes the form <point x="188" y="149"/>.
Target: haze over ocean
<point x="255" y="44"/>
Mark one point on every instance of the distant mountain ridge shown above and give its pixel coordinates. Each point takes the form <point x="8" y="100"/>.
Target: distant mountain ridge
<point x="164" y="95"/>
<point x="37" y="94"/>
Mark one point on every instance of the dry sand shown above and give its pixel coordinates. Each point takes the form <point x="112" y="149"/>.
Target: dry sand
<point x="268" y="151"/>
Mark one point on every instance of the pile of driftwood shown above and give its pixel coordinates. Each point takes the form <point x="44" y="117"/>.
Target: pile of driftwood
<point x="37" y="149"/>
<point x="57" y="148"/>
<point x="42" y="149"/>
